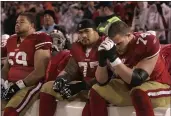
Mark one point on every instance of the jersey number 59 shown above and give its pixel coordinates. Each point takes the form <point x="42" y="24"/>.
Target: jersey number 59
<point x="23" y="56"/>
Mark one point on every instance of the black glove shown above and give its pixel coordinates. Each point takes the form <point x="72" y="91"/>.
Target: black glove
<point x="102" y="57"/>
<point x="59" y="83"/>
<point x="107" y="50"/>
<point x="112" y="54"/>
<point x="4" y="86"/>
<point x="13" y="89"/>
<point x="2" y="92"/>
<point x="70" y="90"/>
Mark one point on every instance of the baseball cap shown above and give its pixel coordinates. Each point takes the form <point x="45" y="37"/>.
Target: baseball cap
<point x="104" y="4"/>
<point x="86" y="23"/>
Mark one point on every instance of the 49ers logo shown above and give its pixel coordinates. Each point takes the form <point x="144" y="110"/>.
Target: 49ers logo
<point x="22" y="55"/>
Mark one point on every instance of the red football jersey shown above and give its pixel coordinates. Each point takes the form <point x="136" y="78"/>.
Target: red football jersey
<point x="87" y="59"/>
<point x="143" y="46"/>
<point x="21" y="58"/>
<point x="57" y="64"/>
<point x="166" y="53"/>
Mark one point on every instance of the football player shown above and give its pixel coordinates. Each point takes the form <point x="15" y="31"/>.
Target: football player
<point x="143" y="77"/>
<point x="78" y="75"/>
<point x="60" y="53"/>
<point x="28" y="56"/>
<point x="166" y="53"/>
<point x="4" y="39"/>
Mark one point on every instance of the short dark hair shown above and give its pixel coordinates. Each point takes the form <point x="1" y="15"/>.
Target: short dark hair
<point x="118" y="27"/>
<point x="30" y="16"/>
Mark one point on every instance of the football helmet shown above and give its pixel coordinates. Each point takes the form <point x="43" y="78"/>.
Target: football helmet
<point x="4" y="39"/>
<point x="59" y="39"/>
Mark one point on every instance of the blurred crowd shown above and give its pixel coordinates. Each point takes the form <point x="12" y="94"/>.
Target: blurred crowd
<point x="140" y="16"/>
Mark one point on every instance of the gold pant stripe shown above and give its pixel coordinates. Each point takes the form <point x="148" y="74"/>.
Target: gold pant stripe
<point x="29" y="96"/>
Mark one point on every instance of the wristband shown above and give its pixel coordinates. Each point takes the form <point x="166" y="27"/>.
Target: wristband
<point x="116" y="62"/>
<point x="20" y="84"/>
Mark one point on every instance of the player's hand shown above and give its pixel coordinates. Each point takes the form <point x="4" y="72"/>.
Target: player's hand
<point x="107" y="50"/>
<point x="4" y="86"/>
<point x="59" y="83"/>
<point x="13" y="89"/>
<point x="70" y="90"/>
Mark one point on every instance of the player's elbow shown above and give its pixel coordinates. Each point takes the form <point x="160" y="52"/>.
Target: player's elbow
<point x="138" y="77"/>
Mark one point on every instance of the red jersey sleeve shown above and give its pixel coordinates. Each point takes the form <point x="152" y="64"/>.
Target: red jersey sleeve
<point x="153" y="46"/>
<point x="43" y="41"/>
<point x="147" y="44"/>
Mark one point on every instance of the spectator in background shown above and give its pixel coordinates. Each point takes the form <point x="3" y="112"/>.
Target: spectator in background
<point x="88" y="8"/>
<point x="3" y="17"/>
<point x="129" y="12"/>
<point x="140" y="17"/>
<point x="70" y="19"/>
<point x="106" y="16"/>
<point x="158" y="19"/>
<point x="9" y="23"/>
<point x="49" y="21"/>
<point x="119" y="9"/>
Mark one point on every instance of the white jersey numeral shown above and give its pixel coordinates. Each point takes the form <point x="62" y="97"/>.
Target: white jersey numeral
<point x="85" y="66"/>
<point x="143" y="35"/>
<point x="23" y="56"/>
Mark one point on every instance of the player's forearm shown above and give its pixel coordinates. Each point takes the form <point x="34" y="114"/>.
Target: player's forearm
<point x="34" y="77"/>
<point x="5" y="70"/>
<point x="72" y="69"/>
<point x="4" y="74"/>
<point x="124" y="72"/>
<point x="101" y="74"/>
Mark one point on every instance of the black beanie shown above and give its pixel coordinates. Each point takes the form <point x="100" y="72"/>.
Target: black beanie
<point x="51" y="13"/>
<point x="86" y="23"/>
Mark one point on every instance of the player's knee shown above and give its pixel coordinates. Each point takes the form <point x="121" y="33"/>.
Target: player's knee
<point x="47" y="87"/>
<point x="96" y="87"/>
<point x="9" y="111"/>
<point x="99" y="89"/>
<point x="136" y="92"/>
<point x="93" y="95"/>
